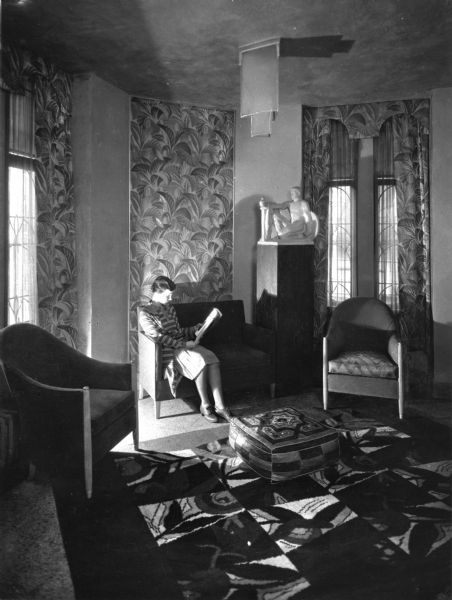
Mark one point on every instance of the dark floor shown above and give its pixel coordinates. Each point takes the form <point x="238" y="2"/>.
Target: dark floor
<point x="56" y="546"/>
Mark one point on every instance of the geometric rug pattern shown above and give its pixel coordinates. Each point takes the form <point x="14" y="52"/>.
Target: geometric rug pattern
<point x="376" y="525"/>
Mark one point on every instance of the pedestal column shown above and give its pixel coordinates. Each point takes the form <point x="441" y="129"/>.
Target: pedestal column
<point x="284" y="303"/>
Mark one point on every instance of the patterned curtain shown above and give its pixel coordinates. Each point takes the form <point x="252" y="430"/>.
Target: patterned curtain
<point x="316" y="178"/>
<point x="56" y="259"/>
<point x="411" y="160"/>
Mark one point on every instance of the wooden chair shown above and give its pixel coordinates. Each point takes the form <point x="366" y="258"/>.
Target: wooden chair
<point x="72" y="409"/>
<point x="362" y="353"/>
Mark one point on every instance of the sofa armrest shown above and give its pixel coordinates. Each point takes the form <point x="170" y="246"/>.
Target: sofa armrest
<point x="259" y="338"/>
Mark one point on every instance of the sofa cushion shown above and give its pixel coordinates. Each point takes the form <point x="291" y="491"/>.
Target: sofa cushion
<point x="228" y="329"/>
<point x="107" y="406"/>
<point x="235" y="357"/>
<point x="365" y="364"/>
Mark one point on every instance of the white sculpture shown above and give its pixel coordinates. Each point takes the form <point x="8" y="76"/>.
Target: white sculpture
<point x="298" y="226"/>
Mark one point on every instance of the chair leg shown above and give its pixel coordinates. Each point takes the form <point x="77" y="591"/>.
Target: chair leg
<point x="157" y="408"/>
<point x="401" y="400"/>
<point x="89" y="479"/>
<point x="325" y="396"/>
<point x="325" y="374"/>
<point x="136" y="438"/>
<point x="401" y="381"/>
<point x="272" y="390"/>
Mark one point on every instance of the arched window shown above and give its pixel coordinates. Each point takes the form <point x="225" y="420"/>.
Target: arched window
<point x="386" y="226"/>
<point x="341" y="215"/>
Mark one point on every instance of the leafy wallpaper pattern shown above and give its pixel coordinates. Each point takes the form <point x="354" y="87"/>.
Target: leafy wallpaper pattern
<point x="410" y="125"/>
<point x="52" y="93"/>
<point x="181" y="201"/>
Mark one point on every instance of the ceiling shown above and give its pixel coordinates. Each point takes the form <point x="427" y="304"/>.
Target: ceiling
<point x="187" y="50"/>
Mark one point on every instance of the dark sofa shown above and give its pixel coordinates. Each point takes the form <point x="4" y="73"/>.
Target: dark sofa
<point x="245" y="352"/>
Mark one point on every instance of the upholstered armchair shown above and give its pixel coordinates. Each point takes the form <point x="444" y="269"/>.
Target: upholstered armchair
<point x="72" y="409"/>
<point x="362" y="353"/>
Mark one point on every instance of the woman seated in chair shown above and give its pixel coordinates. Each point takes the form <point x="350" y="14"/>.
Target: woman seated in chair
<point x="182" y="357"/>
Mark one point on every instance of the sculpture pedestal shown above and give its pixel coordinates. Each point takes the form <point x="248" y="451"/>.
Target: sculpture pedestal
<point x="285" y="303"/>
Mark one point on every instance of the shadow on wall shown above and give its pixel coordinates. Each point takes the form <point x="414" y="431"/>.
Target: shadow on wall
<point x="442" y="335"/>
<point x="247" y="232"/>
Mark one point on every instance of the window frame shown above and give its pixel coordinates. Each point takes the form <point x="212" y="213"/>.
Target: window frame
<point x="352" y="184"/>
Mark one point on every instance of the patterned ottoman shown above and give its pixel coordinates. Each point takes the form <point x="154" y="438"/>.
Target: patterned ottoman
<point x="283" y="443"/>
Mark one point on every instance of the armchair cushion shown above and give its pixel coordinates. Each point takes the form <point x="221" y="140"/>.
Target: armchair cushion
<point x="363" y="364"/>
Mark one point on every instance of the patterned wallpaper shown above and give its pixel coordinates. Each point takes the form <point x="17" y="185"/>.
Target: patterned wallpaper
<point x="52" y="92"/>
<point x="181" y="201"/>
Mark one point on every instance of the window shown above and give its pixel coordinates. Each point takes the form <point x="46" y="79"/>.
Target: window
<point x="362" y="190"/>
<point x="22" y="242"/>
<point x="387" y="242"/>
<point x="341" y="215"/>
<point x="340" y="243"/>
<point x="387" y="239"/>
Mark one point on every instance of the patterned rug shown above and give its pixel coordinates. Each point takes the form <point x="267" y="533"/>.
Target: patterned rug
<point x="377" y="525"/>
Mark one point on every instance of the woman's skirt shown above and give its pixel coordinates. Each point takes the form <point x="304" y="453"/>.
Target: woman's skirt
<point x="191" y="361"/>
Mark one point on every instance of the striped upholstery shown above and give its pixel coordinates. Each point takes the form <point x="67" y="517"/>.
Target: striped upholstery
<point x="365" y="364"/>
<point x="283" y="443"/>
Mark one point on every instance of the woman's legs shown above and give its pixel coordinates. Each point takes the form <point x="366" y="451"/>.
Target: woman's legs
<point x="215" y="384"/>
<point x="201" y="386"/>
<point x="211" y="375"/>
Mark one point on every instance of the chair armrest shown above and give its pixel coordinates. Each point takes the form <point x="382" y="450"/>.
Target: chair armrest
<point x="259" y="338"/>
<point x="102" y="375"/>
<point x="335" y="341"/>
<point x="52" y="418"/>
<point x="395" y="348"/>
<point x="150" y="370"/>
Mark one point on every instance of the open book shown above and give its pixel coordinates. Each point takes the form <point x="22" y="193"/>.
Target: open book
<point x="211" y="318"/>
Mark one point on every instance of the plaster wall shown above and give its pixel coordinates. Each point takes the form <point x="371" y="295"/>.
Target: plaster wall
<point x="441" y="238"/>
<point x="100" y="134"/>
<point x="265" y="167"/>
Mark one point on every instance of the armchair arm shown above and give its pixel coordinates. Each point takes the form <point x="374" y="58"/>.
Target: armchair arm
<point x="259" y="338"/>
<point x="149" y="364"/>
<point x="395" y="349"/>
<point x="52" y="418"/>
<point x="335" y="341"/>
<point x="98" y="374"/>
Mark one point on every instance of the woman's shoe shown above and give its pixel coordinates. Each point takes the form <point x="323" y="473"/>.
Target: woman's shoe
<point x="224" y="413"/>
<point x="208" y="413"/>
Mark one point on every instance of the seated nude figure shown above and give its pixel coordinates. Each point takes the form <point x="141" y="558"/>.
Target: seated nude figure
<point x="301" y="224"/>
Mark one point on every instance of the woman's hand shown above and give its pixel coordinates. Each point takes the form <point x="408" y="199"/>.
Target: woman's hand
<point x="190" y="344"/>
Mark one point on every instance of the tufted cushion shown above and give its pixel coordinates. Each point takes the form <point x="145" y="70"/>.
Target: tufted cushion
<point x="283" y="443"/>
<point x="366" y="364"/>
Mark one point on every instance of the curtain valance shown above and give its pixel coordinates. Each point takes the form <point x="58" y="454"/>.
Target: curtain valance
<point x="365" y="120"/>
